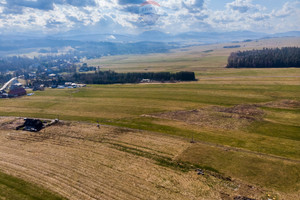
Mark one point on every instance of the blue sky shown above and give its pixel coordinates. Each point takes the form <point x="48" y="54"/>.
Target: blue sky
<point x="124" y="16"/>
<point x="269" y="4"/>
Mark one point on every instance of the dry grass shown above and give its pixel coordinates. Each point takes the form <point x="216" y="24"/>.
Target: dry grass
<point x="285" y="103"/>
<point x="258" y="170"/>
<point x="80" y="161"/>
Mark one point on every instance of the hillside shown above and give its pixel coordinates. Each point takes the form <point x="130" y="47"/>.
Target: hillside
<point x="243" y="124"/>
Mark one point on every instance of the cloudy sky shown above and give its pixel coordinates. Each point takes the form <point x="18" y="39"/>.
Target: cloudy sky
<point x="124" y="16"/>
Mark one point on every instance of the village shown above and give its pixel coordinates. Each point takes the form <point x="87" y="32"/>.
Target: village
<point x="13" y="88"/>
<point x="40" y="76"/>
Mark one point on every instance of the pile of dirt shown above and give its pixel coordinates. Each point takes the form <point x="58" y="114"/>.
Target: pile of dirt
<point x="246" y="111"/>
<point x="217" y="117"/>
<point x="11" y="123"/>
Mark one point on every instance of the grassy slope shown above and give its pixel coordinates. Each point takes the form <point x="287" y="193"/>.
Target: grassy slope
<point x="124" y="105"/>
<point x="12" y="188"/>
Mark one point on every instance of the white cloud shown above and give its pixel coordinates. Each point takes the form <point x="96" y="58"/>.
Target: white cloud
<point x="288" y="9"/>
<point x="244" y="6"/>
<point x="122" y="16"/>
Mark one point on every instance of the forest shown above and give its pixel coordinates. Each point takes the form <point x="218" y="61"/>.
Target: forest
<point x="25" y="64"/>
<point x="266" y="58"/>
<point x="111" y="77"/>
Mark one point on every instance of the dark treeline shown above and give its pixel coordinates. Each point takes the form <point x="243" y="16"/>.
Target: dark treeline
<point x="15" y="63"/>
<point x="111" y="77"/>
<point x="20" y="63"/>
<point x="266" y="58"/>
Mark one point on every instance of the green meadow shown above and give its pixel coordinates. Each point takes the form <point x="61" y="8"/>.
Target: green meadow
<point x="132" y="106"/>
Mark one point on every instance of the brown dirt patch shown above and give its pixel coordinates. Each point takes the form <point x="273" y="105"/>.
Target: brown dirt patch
<point x="10" y="123"/>
<point x="217" y="117"/>
<point x="286" y="103"/>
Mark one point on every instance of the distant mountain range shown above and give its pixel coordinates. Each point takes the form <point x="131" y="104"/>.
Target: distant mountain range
<point x="201" y="37"/>
<point x="24" y="43"/>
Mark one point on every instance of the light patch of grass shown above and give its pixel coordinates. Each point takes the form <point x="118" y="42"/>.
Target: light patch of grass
<point x="257" y="170"/>
<point x="241" y="139"/>
<point x="279" y="130"/>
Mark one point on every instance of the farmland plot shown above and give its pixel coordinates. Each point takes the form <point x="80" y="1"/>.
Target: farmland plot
<point x="81" y="161"/>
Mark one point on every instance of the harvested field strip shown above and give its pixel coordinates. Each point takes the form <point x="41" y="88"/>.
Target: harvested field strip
<point x="118" y="141"/>
<point x="83" y="169"/>
<point x="82" y="191"/>
<point x="145" y="149"/>
<point x="80" y="161"/>
<point x="160" y="160"/>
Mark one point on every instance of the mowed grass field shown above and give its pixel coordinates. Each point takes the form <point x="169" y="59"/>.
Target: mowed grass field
<point x="248" y="124"/>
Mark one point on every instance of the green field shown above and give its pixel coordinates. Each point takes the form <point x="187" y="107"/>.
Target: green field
<point x="262" y="151"/>
<point x="15" y="188"/>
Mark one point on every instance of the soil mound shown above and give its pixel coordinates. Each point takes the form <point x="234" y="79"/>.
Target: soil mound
<point x="286" y="103"/>
<point x="218" y="117"/>
<point x="251" y="112"/>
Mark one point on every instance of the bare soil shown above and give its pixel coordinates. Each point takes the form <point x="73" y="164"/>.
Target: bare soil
<point x="286" y="103"/>
<point x="218" y="117"/>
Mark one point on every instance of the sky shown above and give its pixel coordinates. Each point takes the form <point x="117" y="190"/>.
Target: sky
<point x="135" y="16"/>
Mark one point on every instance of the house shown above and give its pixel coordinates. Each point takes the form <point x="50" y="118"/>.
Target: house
<point x="38" y="87"/>
<point x="3" y="94"/>
<point x="16" y="90"/>
<point x="52" y="75"/>
<point x="68" y="84"/>
<point x="145" y="81"/>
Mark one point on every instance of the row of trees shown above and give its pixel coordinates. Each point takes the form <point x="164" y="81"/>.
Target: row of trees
<point x="265" y="58"/>
<point x="21" y="63"/>
<point x="15" y="63"/>
<point x="111" y="77"/>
